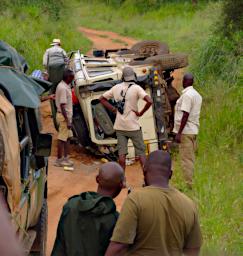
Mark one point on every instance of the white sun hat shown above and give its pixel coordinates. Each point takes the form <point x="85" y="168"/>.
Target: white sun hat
<point x="56" y="41"/>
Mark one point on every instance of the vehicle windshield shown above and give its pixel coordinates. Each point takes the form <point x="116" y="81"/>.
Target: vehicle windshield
<point x="99" y="72"/>
<point x="93" y="61"/>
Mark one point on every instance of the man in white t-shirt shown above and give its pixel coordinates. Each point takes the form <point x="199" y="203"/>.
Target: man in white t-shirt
<point x="186" y="126"/>
<point x="127" y="94"/>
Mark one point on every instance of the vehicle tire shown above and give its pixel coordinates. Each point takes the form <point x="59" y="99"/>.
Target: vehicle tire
<point x="2" y="153"/>
<point x="80" y="128"/>
<point x="137" y="62"/>
<point x="41" y="237"/>
<point x="150" y="48"/>
<point x="168" y="61"/>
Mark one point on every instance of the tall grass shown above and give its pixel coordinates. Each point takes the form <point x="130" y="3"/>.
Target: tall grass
<point x="216" y="63"/>
<point x="30" y="26"/>
<point x="181" y="25"/>
<point x="218" y="66"/>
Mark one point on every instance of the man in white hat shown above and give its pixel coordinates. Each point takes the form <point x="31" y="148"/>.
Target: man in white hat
<point x="127" y="95"/>
<point x="54" y="61"/>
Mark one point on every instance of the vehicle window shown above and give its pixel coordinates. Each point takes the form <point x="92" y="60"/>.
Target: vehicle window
<point x="77" y="65"/>
<point x="93" y="73"/>
<point x="25" y="151"/>
<point x="96" y="61"/>
<point x="80" y="75"/>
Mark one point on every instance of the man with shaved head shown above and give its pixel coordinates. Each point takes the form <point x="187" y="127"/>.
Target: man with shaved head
<point x="186" y="126"/>
<point x="157" y="219"/>
<point x="88" y="219"/>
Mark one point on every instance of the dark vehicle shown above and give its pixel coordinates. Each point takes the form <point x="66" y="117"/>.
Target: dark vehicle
<point x="24" y="152"/>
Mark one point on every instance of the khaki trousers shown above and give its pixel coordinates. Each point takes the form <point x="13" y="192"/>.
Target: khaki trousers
<point x="187" y="149"/>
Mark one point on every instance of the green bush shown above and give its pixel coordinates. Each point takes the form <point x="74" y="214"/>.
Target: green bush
<point x="30" y="26"/>
<point x="232" y="17"/>
<point x="219" y="58"/>
<point x="143" y="6"/>
<point x="52" y="7"/>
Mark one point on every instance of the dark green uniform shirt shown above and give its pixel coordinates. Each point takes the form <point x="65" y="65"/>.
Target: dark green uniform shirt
<point x="85" y="226"/>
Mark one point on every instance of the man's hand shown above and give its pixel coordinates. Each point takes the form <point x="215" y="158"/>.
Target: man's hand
<point x="137" y="113"/>
<point x="146" y="107"/>
<point x="52" y="96"/>
<point x="47" y="97"/>
<point x="178" y="138"/>
<point x="69" y="124"/>
<point x="116" y="249"/>
<point x="114" y="110"/>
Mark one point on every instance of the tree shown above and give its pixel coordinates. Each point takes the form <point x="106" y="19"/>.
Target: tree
<point x="233" y="18"/>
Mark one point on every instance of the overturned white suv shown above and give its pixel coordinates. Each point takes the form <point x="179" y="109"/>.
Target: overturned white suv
<point x="153" y="65"/>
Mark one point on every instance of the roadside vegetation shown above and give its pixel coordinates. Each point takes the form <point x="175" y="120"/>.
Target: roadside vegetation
<point x="31" y="25"/>
<point x="211" y="33"/>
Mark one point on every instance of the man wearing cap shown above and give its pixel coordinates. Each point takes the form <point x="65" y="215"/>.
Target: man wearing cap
<point x="54" y="61"/>
<point x="186" y="126"/>
<point x="126" y="123"/>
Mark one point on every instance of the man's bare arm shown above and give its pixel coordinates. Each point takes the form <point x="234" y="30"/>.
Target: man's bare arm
<point x="106" y="104"/>
<point x="116" y="249"/>
<point x="148" y="104"/>
<point x="191" y="251"/>
<point x="63" y="110"/>
<point x="64" y="113"/>
<point x="47" y="97"/>
<point x="183" y="124"/>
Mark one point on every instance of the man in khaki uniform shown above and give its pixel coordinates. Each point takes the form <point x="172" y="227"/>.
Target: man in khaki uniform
<point x="186" y="126"/>
<point x="126" y="124"/>
<point x="64" y="116"/>
<point x="157" y="219"/>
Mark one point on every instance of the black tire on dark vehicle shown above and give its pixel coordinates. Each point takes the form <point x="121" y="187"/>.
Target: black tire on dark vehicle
<point x="80" y="128"/>
<point x="41" y="228"/>
<point x="150" y="48"/>
<point x="2" y="153"/>
<point x="168" y="61"/>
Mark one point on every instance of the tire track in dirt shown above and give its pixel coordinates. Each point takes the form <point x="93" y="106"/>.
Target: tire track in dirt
<point x="106" y="39"/>
<point x="63" y="184"/>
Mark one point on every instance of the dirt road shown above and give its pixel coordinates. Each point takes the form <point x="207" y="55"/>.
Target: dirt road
<point x="106" y="39"/>
<point x="63" y="184"/>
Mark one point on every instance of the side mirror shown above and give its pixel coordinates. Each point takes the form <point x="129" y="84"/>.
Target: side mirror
<point x="43" y="145"/>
